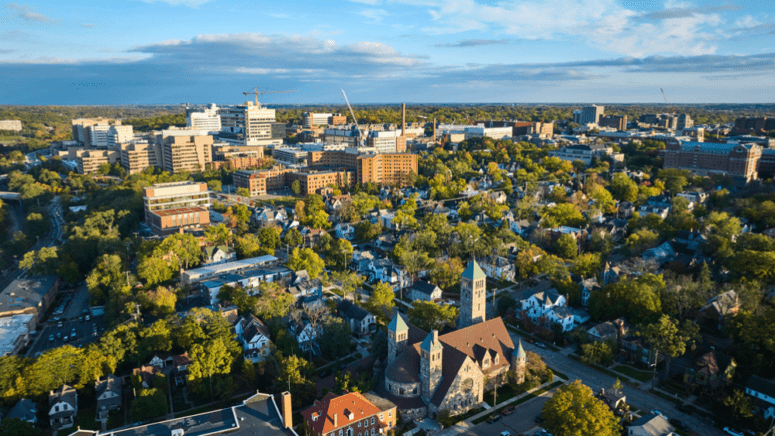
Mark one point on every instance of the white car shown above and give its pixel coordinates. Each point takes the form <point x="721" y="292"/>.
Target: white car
<point x="505" y="433"/>
<point x="733" y="432"/>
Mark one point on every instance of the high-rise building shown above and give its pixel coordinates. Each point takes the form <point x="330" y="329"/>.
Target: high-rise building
<point x="684" y="122"/>
<point x="618" y="122"/>
<point x="473" y="296"/>
<point x="81" y="126"/>
<point x="119" y="134"/>
<point x="207" y="119"/>
<point x="385" y="168"/>
<point x="138" y="155"/>
<point x="590" y="114"/>
<point x="248" y="124"/>
<point x="170" y="207"/>
<point x="185" y="150"/>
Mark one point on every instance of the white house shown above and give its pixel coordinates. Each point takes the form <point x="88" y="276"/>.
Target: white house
<point x="386" y="271"/>
<point x="424" y="291"/>
<point x="548" y="306"/>
<point x="498" y="268"/>
<point x="216" y="254"/>
<point x="305" y="336"/>
<point x="647" y="209"/>
<point x="345" y="231"/>
<point x="763" y="391"/>
<point x="62" y="407"/>
<point x="253" y="335"/>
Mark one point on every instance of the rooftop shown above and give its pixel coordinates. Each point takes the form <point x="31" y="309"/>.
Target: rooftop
<point x="25" y="293"/>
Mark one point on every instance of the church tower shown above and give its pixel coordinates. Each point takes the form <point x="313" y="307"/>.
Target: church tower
<point x="473" y="295"/>
<point x="398" y="335"/>
<point x="430" y="364"/>
<point x="519" y="363"/>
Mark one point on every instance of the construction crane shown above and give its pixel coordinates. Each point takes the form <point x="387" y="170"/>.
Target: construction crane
<point x="666" y="103"/>
<point x="470" y="123"/>
<point x="355" y="120"/>
<point x="256" y="92"/>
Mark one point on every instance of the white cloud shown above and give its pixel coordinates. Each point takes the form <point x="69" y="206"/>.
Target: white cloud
<point x="374" y="15"/>
<point x="27" y="13"/>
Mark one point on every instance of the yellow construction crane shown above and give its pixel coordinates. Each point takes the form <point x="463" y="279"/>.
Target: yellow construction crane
<point x="256" y="92"/>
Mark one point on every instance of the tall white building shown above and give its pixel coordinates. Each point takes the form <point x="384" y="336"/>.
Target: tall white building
<point x="98" y="135"/>
<point x="119" y="134"/>
<point x="248" y="124"/>
<point x="588" y="115"/>
<point x="206" y="119"/>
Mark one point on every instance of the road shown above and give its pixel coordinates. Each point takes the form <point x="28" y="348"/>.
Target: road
<point x="640" y="399"/>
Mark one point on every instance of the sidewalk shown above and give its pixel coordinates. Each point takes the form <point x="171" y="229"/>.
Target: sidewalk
<point x="464" y="426"/>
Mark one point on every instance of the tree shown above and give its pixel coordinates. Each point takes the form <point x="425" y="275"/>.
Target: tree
<point x="597" y="352"/>
<point x="149" y="403"/>
<point x="293" y="237"/>
<point x="587" y="265"/>
<point x="273" y="301"/>
<point x="566" y="247"/>
<point x="428" y="315"/>
<point x="574" y="411"/>
<point x="54" y="368"/>
<point x="381" y="300"/>
<point x="161" y="301"/>
<point x="564" y="214"/>
<point x="214" y="185"/>
<point x="17" y="427"/>
<point x="336" y="338"/>
<point x="212" y="358"/>
<point x="640" y="241"/>
<point x="296" y="187"/>
<point x="241" y="215"/>
<point x="306" y="259"/>
<point x="668" y="338"/>
<point x="446" y="273"/>
<point x="248" y="246"/>
<point x="675" y="179"/>
<point x="738" y="405"/>
<point x="43" y="261"/>
<point x="269" y="238"/>
<point x="219" y="234"/>
<point x="154" y="270"/>
<point x="414" y="261"/>
<point x="638" y="299"/>
<point x="624" y="188"/>
<point x="526" y="263"/>
<point x="243" y="192"/>
<point x="348" y="281"/>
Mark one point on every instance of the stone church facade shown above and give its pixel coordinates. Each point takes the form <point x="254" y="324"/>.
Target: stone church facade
<point x="427" y="372"/>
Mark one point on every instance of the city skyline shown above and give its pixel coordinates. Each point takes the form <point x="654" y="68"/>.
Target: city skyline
<point x="381" y="51"/>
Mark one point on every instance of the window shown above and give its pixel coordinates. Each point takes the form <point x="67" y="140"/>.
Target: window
<point x="390" y="414"/>
<point x="372" y="423"/>
<point x="359" y="423"/>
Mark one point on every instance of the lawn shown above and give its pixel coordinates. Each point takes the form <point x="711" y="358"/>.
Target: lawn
<point x="666" y="396"/>
<point x="505" y="393"/>
<point x="633" y="373"/>
<point x="558" y="373"/>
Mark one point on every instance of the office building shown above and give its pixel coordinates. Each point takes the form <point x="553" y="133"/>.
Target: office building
<point x="89" y="161"/>
<point x="618" y="122"/>
<point x="184" y="150"/>
<point x="386" y="141"/>
<point x="250" y="124"/>
<point x="140" y="154"/>
<point x="29" y="295"/>
<point x="684" y="122"/>
<point x="119" y="134"/>
<point x="753" y="125"/>
<point x="171" y="207"/>
<point x="349" y="135"/>
<point x="80" y="128"/>
<point x="98" y="135"/>
<point x="310" y="119"/>
<point x="207" y="119"/>
<point x="588" y="115"/>
<point x="238" y="157"/>
<point x="488" y="132"/>
<point x="293" y="157"/>
<point x="740" y="161"/>
<point x="11" y="125"/>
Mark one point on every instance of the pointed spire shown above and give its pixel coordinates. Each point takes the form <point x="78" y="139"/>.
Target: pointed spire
<point x="398" y="324"/>
<point x="520" y="352"/>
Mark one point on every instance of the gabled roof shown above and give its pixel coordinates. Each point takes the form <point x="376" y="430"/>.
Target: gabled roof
<point x="546" y="297"/>
<point x="352" y="311"/>
<point x="65" y="394"/>
<point x="653" y="425"/>
<point x="348" y="408"/>
<point x="473" y="271"/>
<point x="423" y="287"/>
<point x="762" y="385"/>
<point x="111" y="383"/>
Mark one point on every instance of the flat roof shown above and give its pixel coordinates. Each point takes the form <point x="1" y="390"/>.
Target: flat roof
<point x="11" y="327"/>
<point x="214" y="422"/>
<point x="178" y="211"/>
<point x="229" y="266"/>
<point x="26" y="292"/>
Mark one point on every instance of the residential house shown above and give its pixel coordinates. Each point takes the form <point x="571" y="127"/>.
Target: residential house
<point x="662" y="254"/>
<point x="361" y="321"/>
<point x="269" y="216"/>
<point x="25" y="410"/>
<point x="611" y="274"/>
<point x="146" y="374"/>
<point x="712" y="369"/>
<point x="254" y="337"/>
<point x="362" y="259"/>
<point x="386" y="271"/>
<point x="336" y="202"/>
<point x="62" y="407"/>
<point x="384" y="217"/>
<point x="215" y="254"/>
<point x="609" y="331"/>
<point x="311" y="236"/>
<point x="499" y="197"/>
<point x="108" y="393"/>
<point x="304" y="289"/>
<point x="647" y="209"/>
<point x="498" y="268"/>
<point x="345" y="231"/>
<point x="719" y="309"/>
<point x="763" y="391"/>
<point x="694" y="198"/>
<point x="385" y="243"/>
<point x="567" y="317"/>
<point x="652" y="424"/>
<point x="424" y="291"/>
<point x="588" y="286"/>
<point x="350" y="414"/>
<point x="634" y="350"/>
<point x="305" y="335"/>
<point x="662" y="201"/>
<point x="613" y="397"/>
<point x="440" y="209"/>
<point x="547" y="307"/>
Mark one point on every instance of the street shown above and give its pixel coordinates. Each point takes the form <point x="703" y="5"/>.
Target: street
<point x="640" y="399"/>
<point x="84" y="334"/>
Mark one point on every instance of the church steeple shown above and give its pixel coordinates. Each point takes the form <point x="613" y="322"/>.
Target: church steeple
<point x="473" y="295"/>
<point x="398" y="334"/>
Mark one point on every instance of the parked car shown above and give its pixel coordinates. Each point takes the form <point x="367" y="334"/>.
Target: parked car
<point x="677" y="423"/>
<point x="59" y="335"/>
<point x="495" y="418"/>
<point x="80" y="319"/>
<point x="50" y="338"/>
<point x="541" y="345"/>
<point x="707" y="420"/>
<point x="733" y="431"/>
<point x="509" y="410"/>
<point x="73" y="335"/>
<point x="59" y="324"/>
<point x="687" y="409"/>
<point x="88" y="317"/>
<point x="66" y="338"/>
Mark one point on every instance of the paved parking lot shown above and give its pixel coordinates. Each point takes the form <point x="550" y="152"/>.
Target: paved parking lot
<point x="519" y="422"/>
<point x="84" y="334"/>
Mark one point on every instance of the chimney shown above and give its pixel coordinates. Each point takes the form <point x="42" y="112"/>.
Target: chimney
<point x="287" y="409"/>
<point x="403" y="119"/>
<point x="335" y="420"/>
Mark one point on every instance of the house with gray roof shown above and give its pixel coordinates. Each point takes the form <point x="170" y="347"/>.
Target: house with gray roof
<point x="108" y="393"/>
<point x="651" y="425"/>
<point x="25" y="410"/>
<point x="424" y="291"/>
<point x="217" y="254"/>
<point x="62" y="407"/>
<point x="361" y="321"/>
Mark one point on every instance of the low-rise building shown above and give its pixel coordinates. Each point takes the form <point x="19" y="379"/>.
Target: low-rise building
<point x="25" y="410"/>
<point x="210" y="272"/>
<point x="424" y="291"/>
<point x="63" y="406"/>
<point x="350" y="414"/>
<point x="15" y="333"/>
<point x="361" y="321"/>
<point x="763" y="391"/>
<point x="254" y="337"/>
<point x="498" y="268"/>
<point x="217" y="254"/>
<point x="108" y="393"/>
<point x="653" y="424"/>
<point x="30" y="295"/>
<point x="170" y="207"/>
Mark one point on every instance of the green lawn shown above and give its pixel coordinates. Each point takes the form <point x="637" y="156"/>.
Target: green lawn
<point x="558" y="373"/>
<point x="633" y="373"/>
<point x="666" y="396"/>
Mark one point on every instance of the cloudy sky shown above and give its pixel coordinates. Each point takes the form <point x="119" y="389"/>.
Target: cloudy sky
<point x="200" y="51"/>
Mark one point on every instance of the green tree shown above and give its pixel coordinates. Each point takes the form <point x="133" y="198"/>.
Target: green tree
<point x="738" y="405"/>
<point x="273" y="301"/>
<point x="640" y="241"/>
<point x="160" y="301"/>
<point x="269" y="238"/>
<point x="296" y="187"/>
<point x="564" y="214"/>
<point x="675" y="179"/>
<point x="335" y="339"/>
<point x="248" y="245"/>
<point x="597" y="352"/>
<point x="624" y="188"/>
<point x="293" y="237"/>
<point x="566" y="247"/>
<point x="150" y="403"/>
<point x="669" y="338"/>
<point x="43" y="261"/>
<point x="54" y="368"/>
<point x="587" y="265"/>
<point x="428" y="315"/>
<point x="348" y="281"/>
<point x="210" y="359"/>
<point x="306" y="259"/>
<point x="381" y="301"/>
<point x="154" y="270"/>
<point x="574" y="411"/>
<point x="219" y="234"/>
<point x="17" y="427"/>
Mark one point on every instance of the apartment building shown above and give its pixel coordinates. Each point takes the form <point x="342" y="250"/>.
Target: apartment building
<point x="119" y="134"/>
<point x="88" y="160"/>
<point x="138" y="155"/>
<point x="11" y="125"/>
<point x="385" y="168"/>
<point x="171" y="207"/>
<point x="277" y="178"/>
<point x="262" y="181"/>
<point x="740" y="161"/>
<point x="250" y="124"/>
<point x="184" y="150"/>
<point x="236" y="156"/>
<point x="310" y="119"/>
<point x="207" y="119"/>
<point x="333" y="158"/>
<point x="618" y="122"/>
<point x="588" y="115"/>
<point x="312" y="181"/>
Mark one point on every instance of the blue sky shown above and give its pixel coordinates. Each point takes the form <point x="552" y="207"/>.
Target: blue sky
<point x="201" y="51"/>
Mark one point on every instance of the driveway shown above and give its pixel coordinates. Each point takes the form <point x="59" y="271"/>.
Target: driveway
<point x="79" y="302"/>
<point x="640" y="399"/>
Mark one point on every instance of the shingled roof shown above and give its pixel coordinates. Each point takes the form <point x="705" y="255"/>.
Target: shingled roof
<point x="347" y="408"/>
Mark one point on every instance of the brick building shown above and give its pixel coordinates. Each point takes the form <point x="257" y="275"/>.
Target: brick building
<point x="184" y="150"/>
<point x="618" y="122"/>
<point x="351" y="414"/>
<point x="277" y="178"/>
<point x="740" y="161"/>
<point x="171" y="207"/>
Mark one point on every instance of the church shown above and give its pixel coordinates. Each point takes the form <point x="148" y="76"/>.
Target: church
<point x="427" y="373"/>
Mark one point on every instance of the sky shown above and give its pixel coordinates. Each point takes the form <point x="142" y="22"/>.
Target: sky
<point x="114" y="52"/>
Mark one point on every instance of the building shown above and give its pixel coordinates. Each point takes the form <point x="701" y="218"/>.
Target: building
<point x="386" y="141"/>
<point x="224" y="152"/>
<point x="499" y="268"/>
<point x="588" y="115"/>
<point x="261" y="182"/>
<point x="653" y="424"/>
<point x="250" y="124"/>
<point x="108" y="394"/>
<point x="361" y="321"/>
<point x="424" y="291"/>
<point x="118" y="134"/>
<point x="385" y="169"/>
<point x="473" y="295"/>
<point x="684" y="122"/>
<point x="350" y="414"/>
<point x="310" y="119"/>
<point x="25" y="410"/>
<point x="184" y="150"/>
<point x="618" y="122"/>
<point x="211" y="272"/>
<point x="11" y="125"/>
<point x="763" y="391"/>
<point x="15" y="333"/>
<point x="753" y="125"/>
<point x="217" y="254"/>
<point x="277" y="178"/>
<point x="207" y="119"/>
<point x="261" y="414"/>
<point x="137" y="155"/>
<point x="90" y="161"/>
<point x="171" y="207"/>
<point x="62" y="407"/>
<point x="254" y="337"/>
<point x="91" y="132"/>
<point x="585" y="153"/>
<point x="29" y="295"/>
<point x="739" y="161"/>
<point x="292" y="157"/>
